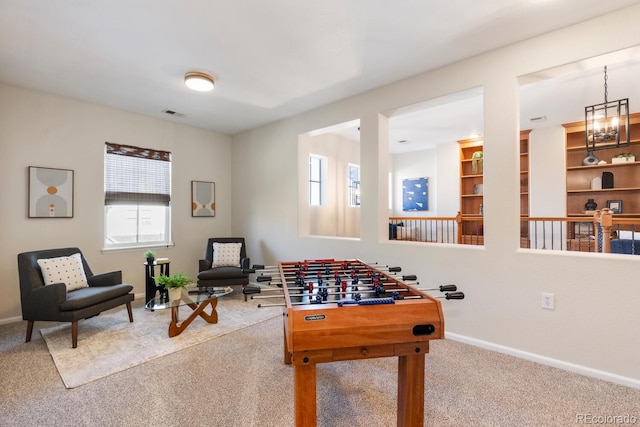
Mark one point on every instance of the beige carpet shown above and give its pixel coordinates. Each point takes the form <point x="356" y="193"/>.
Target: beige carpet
<point x="109" y="343"/>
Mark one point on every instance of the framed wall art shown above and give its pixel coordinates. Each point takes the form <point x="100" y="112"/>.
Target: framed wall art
<point x="203" y="198"/>
<point x="415" y="194"/>
<point x="615" y="206"/>
<point x="50" y="192"/>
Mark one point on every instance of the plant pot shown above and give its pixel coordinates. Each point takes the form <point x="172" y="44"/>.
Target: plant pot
<point x="175" y="294"/>
<point x="623" y="160"/>
<point x="150" y="261"/>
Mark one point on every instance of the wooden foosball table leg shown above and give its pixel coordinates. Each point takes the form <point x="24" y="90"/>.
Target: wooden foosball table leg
<point x="305" y="394"/>
<point x="411" y="390"/>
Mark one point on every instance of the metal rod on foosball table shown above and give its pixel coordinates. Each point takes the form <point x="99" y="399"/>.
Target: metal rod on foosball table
<point x="315" y="267"/>
<point x="282" y="304"/>
<point x="326" y="285"/>
<point x="348" y="273"/>
<point x="259" y="290"/>
<point x="308" y="295"/>
<point x="442" y="288"/>
<point x="411" y="279"/>
<point x="266" y="296"/>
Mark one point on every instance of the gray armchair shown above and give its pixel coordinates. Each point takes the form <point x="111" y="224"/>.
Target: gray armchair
<point x="53" y="302"/>
<point x="228" y="275"/>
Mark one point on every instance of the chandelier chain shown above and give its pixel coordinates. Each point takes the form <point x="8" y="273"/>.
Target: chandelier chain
<point x="606" y="86"/>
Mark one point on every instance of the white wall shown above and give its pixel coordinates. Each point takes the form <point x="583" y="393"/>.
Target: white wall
<point x="590" y="330"/>
<point x="441" y="165"/>
<point x="38" y="129"/>
<point x="419" y="164"/>
<point x="547" y="172"/>
<point x="448" y="178"/>
<point x="547" y="186"/>
<point x="335" y="217"/>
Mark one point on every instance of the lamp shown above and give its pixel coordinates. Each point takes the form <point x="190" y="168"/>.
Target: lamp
<point x="196" y="80"/>
<point x="605" y="123"/>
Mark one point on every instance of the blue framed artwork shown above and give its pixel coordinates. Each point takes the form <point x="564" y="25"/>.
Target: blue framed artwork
<point x="415" y="194"/>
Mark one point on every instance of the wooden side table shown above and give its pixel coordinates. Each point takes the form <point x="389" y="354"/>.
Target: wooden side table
<point x="150" y="284"/>
<point x="197" y="299"/>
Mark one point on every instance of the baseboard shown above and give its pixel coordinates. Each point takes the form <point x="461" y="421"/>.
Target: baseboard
<point x="10" y="320"/>
<point x="579" y="369"/>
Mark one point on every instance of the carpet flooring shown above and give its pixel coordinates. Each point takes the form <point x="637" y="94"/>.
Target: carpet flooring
<point x="239" y="379"/>
<point x="109" y="343"/>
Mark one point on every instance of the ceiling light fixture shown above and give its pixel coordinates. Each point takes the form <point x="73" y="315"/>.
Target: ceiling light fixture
<point x="604" y="123"/>
<point x="198" y="81"/>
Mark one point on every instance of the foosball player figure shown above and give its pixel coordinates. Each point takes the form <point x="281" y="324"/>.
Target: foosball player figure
<point x="327" y="269"/>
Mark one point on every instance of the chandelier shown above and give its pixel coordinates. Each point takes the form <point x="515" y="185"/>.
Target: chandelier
<point x="605" y="123"/>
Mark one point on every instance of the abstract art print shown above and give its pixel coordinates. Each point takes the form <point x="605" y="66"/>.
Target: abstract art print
<point x="50" y="193"/>
<point x="203" y="198"/>
<point x="415" y="194"/>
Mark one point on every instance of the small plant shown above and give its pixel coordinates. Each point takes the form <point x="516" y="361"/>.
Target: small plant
<point x="623" y="158"/>
<point x="178" y="280"/>
<point x="476" y="162"/>
<point x="149" y="254"/>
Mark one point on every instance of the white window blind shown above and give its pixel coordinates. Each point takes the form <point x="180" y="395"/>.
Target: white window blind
<point x="135" y="175"/>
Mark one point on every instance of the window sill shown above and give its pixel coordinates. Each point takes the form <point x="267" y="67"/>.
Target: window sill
<point x="137" y="248"/>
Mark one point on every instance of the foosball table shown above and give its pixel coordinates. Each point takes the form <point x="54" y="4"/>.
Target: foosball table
<point x="337" y="310"/>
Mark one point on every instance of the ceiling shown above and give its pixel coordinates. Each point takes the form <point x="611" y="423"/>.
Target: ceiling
<point x="271" y="60"/>
<point x="548" y="98"/>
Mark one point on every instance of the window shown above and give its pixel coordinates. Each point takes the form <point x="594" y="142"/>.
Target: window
<point x="316" y="179"/>
<point x="354" y="185"/>
<point x="137" y="207"/>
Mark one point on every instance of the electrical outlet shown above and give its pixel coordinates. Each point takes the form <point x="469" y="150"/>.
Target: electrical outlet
<point x="547" y="301"/>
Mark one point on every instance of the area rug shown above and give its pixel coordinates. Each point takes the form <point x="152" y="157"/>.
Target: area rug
<point x="109" y="343"/>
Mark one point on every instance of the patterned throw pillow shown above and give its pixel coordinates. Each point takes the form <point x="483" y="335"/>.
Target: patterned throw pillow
<point x="226" y="254"/>
<point x="66" y="269"/>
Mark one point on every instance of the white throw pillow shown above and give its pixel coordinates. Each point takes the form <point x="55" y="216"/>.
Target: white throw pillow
<point x="226" y="254"/>
<point x="67" y="270"/>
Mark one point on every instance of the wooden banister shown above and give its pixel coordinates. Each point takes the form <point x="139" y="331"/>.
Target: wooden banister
<point x="603" y="217"/>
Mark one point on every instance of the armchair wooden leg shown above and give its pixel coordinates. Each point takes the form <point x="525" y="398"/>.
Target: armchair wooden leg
<point x="74" y="334"/>
<point x="130" y="312"/>
<point x="245" y="295"/>
<point x="29" y="330"/>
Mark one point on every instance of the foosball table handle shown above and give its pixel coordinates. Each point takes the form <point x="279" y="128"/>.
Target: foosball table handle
<point x="454" y="295"/>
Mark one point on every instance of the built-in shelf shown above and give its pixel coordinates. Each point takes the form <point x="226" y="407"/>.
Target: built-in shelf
<point x="626" y="176"/>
